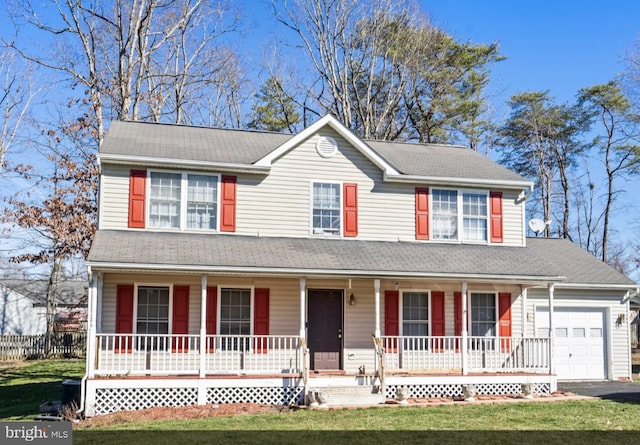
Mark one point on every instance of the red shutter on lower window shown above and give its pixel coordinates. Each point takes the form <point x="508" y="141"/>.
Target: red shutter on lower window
<point x="137" y="192"/>
<point x="350" y="207"/>
<point x="457" y="317"/>
<point x="422" y="213"/>
<point x="437" y="321"/>
<point x="260" y="320"/>
<point x="495" y="213"/>
<point x="124" y="317"/>
<point x="228" y="204"/>
<point x="504" y="321"/>
<point x="392" y="317"/>
<point x="180" y="319"/>
<point x="212" y="316"/>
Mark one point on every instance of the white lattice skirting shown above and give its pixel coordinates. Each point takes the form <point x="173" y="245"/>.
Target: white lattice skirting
<point x="426" y="391"/>
<point x="105" y="396"/>
<point x="108" y="396"/>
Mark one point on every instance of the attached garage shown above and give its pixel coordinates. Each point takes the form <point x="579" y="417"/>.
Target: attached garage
<point x="580" y="341"/>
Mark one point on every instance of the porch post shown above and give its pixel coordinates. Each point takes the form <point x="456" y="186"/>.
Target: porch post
<point x="524" y="293"/>
<point x="91" y="328"/>
<point x="464" y="346"/>
<point x="98" y="297"/>
<point x="376" y="287"/>
<point x="303" y="290"/>
<point x="203" y="325"/>
<point x="551" y="331"/>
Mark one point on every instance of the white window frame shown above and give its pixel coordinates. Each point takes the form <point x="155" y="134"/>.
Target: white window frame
<point x="184" y="182"/>
<point x="135" y="304"/>
<point x="460" y="216"/>
<point x="219" y="305"/>
<point x="312" y="231"/>
<point x="496" y="314"/>
<point x="429" y="309"/>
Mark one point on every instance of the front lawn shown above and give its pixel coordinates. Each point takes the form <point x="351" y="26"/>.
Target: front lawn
<point x="26" y="385"/>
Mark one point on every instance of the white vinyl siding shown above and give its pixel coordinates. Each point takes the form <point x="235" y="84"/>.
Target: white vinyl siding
<point x="386" y="211"/>
<point x="617" y="335"/>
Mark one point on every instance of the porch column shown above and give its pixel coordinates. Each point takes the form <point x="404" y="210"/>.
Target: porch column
<point x="376" y="287"/>
<point x="203" y="325"/>
<point x="551" y="331"/>
<point x="524" y="294"/>
<point x="464" y="347"/>
<point x="303" y="290"/>
<point x="91" y="328"/>
<point x="98" y="296"/>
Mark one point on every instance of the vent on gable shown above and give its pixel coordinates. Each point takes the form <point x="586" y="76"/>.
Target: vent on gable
<point x="326" y="146"/>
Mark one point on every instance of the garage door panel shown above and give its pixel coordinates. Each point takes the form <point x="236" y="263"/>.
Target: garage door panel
<point x="579" y="342"/>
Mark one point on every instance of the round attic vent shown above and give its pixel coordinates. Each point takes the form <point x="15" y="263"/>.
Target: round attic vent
<point x="326" y="146"/>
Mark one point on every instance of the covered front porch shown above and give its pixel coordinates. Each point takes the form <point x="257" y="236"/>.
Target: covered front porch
<point x="283" y="367"/>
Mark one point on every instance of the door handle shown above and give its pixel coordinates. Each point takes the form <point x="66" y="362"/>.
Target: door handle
<point x="339" y="333"/>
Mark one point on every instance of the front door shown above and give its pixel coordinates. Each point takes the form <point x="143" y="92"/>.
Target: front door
<point x="324" y="328"/>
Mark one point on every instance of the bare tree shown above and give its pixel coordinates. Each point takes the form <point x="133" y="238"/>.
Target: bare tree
<point x="16" y="93"/>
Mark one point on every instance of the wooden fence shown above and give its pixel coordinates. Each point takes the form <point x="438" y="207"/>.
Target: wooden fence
<point x="63" y="345"/>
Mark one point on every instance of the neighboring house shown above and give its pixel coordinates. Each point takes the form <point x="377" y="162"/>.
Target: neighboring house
<point x="240" y="266"/>
<point x="23" y="309"/>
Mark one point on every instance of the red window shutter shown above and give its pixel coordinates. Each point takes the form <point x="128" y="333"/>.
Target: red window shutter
<point x="504" y="323"/>
<point x="350" y="205"/>
<point x="437" y="320"/>
<point x="261" y="319"/>
<point x="422" y="213"/>
<point x="124" y="317"/>
<point x="496" y="216"/>
<point x="212" y="316"/>
<point x="392" y="317"/>
<point x="228" y="204"/>
<point x="180" y="319"/>
<point x="137" y="192"/>
<point x="457" y="316"/>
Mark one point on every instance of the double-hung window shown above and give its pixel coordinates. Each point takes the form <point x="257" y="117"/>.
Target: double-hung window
<point x="483" y="319"/>
<point x="183" y="201"/>
<point x="326" y="208"/>
<point x="449" y="223"/>
<point x="152" y="315"/>
<point x="235" y="317"/>
<point x="415" y="314"/>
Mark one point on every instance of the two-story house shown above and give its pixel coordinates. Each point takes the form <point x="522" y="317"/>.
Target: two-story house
<point x="242" y="266"/>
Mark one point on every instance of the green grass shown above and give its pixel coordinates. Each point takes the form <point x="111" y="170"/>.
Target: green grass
<point x="23" y="387"/>
<point x="26" y="385"/>
<point x="541" y="423"/>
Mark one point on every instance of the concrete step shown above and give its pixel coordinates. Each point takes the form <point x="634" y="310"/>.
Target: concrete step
<point x="353" y="395"/>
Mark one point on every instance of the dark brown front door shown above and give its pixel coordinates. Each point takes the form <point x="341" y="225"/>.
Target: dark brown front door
<point x="324" y="329"/>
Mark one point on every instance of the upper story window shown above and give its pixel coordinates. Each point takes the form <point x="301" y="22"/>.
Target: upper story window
<point x="450" y="224"/>
<point x="183" y="201"/>
<point x="326" y="208"/>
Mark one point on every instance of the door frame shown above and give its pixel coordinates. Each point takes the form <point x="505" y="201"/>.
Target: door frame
<point x="341" y="319"/>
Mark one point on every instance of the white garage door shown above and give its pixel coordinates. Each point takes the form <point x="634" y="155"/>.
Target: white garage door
<point x="579" y="343"/>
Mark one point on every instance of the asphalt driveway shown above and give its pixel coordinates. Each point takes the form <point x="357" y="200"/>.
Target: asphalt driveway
<point x="618" y="391"/>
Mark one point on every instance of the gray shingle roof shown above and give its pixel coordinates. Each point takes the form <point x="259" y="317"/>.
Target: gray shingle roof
<point x="70" y="292"/>
<point x="548" y="258"/>
<point x="185" y="143"/>
<point x="437" y="160"/>
<point x="189" y="143"/>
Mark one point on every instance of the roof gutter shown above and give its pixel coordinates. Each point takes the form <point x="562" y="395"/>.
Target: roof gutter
<point x="436" y="180"/>
<point x="184" y="163"/>
<point x="254" y="271"/>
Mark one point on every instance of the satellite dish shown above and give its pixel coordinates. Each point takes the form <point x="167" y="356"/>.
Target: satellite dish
<point x="537" y="225"/>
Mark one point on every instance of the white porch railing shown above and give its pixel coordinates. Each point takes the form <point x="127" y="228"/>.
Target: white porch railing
<point x="484" y="354"/>
<point x="135" y="354"/>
